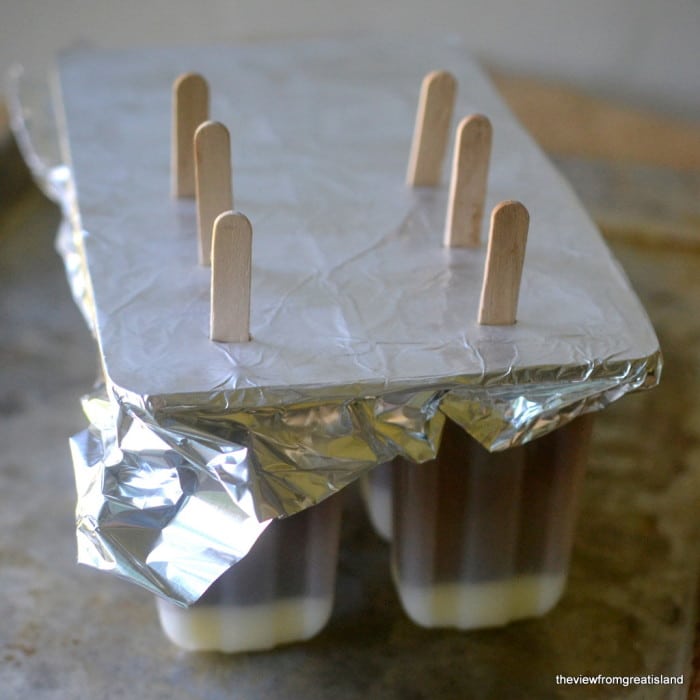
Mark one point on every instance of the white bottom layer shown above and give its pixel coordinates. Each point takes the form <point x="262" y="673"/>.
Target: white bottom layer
<point x="488" y="604"/>
<point x="230" y="629"/>
<point x="379" y="508"/>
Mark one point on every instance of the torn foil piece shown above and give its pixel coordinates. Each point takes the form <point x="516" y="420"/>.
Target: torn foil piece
<point x="171" y="515"/>
<point x="364" y="332"/>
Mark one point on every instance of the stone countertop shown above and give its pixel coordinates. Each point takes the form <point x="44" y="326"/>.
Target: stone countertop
<point x="629" y="609"/>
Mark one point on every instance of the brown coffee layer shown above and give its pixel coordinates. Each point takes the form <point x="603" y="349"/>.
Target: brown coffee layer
<point x="471" y="515"/>
<point x="295" y="557"/>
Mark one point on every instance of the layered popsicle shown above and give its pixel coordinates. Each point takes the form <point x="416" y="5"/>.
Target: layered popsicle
<point x="280" y="592"/>
<point x="481" y="539"/>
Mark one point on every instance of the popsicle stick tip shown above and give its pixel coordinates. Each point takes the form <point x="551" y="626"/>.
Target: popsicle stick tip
<point x="430" y="135"/>
<point x="190" y="109"/>
<point x="229" y="220"/>
<point x="213" y="180"/>
<point x="468" y="183"/>
<point x="442" y="78"/>
<point x="504" y="263"/>
<point x="210" y="126"/>
<point x="512" y="211"/>
<point x="475" y="121"/>
<point x="190" y="81"/>
<point x="230" y="278"/>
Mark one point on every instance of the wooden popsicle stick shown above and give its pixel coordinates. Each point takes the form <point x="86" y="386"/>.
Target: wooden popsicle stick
<point x="435" y="105"/>
<point x="190" y="109"/>
<point x="470" y="168"/>
<point x="212" y="147"/>
<point x="230" y="278"/>
<point x="504" y="264"/>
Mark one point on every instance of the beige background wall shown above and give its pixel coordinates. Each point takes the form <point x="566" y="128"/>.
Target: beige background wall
<point x="644" y="51"/>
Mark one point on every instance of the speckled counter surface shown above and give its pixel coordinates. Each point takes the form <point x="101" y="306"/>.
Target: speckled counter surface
<point x="70" y="632"/>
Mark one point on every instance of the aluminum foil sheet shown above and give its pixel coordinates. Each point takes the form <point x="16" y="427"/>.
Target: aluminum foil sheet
<point x="364" y="333"/>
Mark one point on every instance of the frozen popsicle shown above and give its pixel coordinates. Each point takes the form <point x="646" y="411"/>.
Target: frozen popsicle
<point x="281" y="592"/>
<point x="481" y="539"/>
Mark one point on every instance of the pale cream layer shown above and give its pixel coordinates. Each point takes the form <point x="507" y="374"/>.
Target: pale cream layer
<point x="486" y="604"/>
<point x="228" y="628"/>
<point x="379" y="507"/>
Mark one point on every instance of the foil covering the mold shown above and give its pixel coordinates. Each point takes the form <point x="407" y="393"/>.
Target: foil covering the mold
<point x="364" y="333"/>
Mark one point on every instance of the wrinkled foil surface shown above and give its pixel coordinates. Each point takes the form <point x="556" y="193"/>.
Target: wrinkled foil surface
<point x="364" y="333"/>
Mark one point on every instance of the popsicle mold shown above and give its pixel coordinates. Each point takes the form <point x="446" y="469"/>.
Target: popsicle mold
<point x="481" y="539"/>
<point x="281" y="592"/>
